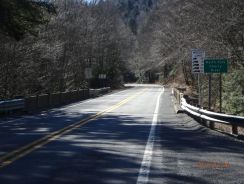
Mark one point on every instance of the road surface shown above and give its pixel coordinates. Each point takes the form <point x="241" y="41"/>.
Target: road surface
<point x="132" y="136"/>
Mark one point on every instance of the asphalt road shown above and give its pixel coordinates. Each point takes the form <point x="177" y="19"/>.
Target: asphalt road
<point x="132" y="136"/>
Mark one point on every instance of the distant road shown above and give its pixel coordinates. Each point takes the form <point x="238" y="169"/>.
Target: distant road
<point x="133" y="136"/>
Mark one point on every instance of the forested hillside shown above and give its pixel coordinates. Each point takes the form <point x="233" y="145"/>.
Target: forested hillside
<point x="80" y="35"/>
<point x="174" y="27"/>
<point x="135" y="12"/>
<point x="145" y="40"/>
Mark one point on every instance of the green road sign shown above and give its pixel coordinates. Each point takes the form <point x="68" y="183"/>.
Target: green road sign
<point x="215" y="65"/>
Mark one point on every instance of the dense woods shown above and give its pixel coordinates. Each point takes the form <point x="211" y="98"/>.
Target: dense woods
<point x="147" y="40"/>
<point x="19" y="17"/>
<point x="80" y="35"/>
<point x="174" y="27"/>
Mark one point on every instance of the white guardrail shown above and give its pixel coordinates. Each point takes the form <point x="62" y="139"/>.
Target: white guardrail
<point x="209" y="116"/>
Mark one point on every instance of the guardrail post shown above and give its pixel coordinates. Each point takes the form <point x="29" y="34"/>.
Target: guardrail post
<point x="235" y="129"/>
<point x="212" y="119"/>
<point x="204" y="122"/>
<point x="201" y="121"/>
<point x="37" y="104"/>
<point x="49" y="100"/>
<point x="211" y="125"/>
<point x="181" y="96"/>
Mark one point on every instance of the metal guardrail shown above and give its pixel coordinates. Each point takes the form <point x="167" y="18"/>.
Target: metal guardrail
<point x="209" y="116"/>
<point x="212" y="116"/>
<point x="11" y="105"/>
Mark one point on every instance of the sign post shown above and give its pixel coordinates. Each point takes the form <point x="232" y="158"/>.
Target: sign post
<point x="88" y="75"/>
<point x="215" y="66"/>
<point x="198" y="56"/>
<point x="220" y="92"/>
<point x="209" y="90"/>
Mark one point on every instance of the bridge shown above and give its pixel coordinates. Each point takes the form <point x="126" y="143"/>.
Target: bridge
<point x="127" y="136"/>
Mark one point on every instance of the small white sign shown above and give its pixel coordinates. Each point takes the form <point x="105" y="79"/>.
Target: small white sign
<point x="102" y="76"/>
<point x="88" y="73"/>
<point x="198" y="56"/>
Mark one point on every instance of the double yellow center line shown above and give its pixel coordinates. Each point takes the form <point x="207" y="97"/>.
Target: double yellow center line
<point x="10" y="157"/>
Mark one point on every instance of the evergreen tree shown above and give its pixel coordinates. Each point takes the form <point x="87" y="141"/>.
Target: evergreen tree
<point x="18" y="17"/>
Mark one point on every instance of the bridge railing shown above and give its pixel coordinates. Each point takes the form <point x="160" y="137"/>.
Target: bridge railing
<point x="209" y="118"/>
<point x="43" y="101"/>
<point x="15" y="104"/>
<point x="98" y="92"/>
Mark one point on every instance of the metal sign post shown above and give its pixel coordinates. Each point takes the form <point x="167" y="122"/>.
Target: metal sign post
<point x="199" y="90"/>
<point x="88" y="76"/>
<point x="209" y="90"/>
<point x="215" y="66"/>
<point x="198" y="56"/>
<point x="220" y="93"/>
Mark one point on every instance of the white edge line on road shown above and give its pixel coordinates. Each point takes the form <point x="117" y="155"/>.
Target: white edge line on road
<point x="146" y="162"/>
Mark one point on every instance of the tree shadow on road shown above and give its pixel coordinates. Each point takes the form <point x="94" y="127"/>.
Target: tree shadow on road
<point x="107" y="150"/>
<point x="206" y="154"/>
<point x="110" y="150"/>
